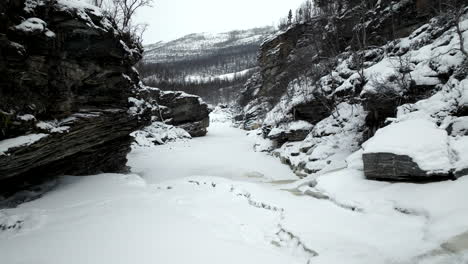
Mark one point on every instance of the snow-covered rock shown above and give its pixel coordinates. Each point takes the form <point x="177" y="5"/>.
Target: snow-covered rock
<point x="177" y="108"/>
<point x="410" y="150"/>
<point x="21" y="141"/>
<point x="158" y="133"/>
<point x="459" y="147"/>
<point x="292" y="131"/>
<point x="421" y="75"/>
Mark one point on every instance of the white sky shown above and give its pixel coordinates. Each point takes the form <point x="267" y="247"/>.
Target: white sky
<point x="171" y="19"/>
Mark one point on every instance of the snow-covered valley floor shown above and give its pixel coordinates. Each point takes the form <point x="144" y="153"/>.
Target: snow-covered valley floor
<point x="214" y="200"/>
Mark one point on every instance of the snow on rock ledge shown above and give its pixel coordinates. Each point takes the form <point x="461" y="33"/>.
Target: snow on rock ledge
<point x="294" y="131"/>
<point x="158" y="133"/>
<point x="175" y="108"/>
<point x="410" y="150"/>
<point x="26" y="140"/>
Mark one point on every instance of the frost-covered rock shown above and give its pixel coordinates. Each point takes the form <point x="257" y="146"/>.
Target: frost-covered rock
<point x="158" y="133"/>
<point x="32" y="25"/>
<point x="180" y="109"/>
<point x="293" y="131"/>
<point x="418" y="75"/>
<point x="409" y="150"/>
<point x="328" y="144"/>
<point x="222" y="114"/>
<point x="11" y="143"/>
<point x="459" y="126"/>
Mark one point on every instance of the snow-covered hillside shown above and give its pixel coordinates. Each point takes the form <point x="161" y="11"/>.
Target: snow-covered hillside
<point x="203" y="44"/>
<point x="213" y="66"/>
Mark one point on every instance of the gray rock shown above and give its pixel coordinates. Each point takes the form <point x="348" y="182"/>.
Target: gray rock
<point x="75" y="72"/>
<point x="458" y="127"/>
<point x="197" y="128"/>
<point x="179" y="109"/>
<point x="392" y="167"/>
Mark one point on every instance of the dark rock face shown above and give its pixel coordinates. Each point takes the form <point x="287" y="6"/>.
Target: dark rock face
<point x="379" y="107"/>
<point x="312" y="112"/>
<point x="183" y="108"/>
<point x="290" y="135"/>
<point x="67" y="73"/>
<point x="274" y="62"/>
<point x="392" y="167"/>
<point x="197" y="128"/>
<point x="178" y="108"/>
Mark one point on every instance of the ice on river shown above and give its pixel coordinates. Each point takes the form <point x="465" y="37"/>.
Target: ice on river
<point x="214" y="200"/>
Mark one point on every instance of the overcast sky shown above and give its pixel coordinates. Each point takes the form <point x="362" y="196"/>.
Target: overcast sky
<point x="171" y="19"/>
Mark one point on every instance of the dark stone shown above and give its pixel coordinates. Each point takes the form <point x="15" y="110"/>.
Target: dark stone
<point x="80" y="75"/>
<point x="183" y="107"/>
<point x="460" y="173"/>
<point x="392" y="167"/>
<point x="289" y="135"/>
<point x="312" y="112"/>
<point x="458" y="127"/>
<point x="196" y="128"/>
<point x="238" y="117"/>
<point x="179" y="109"/>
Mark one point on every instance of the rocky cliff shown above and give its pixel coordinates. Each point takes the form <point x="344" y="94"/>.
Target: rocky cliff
<point x="320" y="91"/>
<point x="68" y="91"/>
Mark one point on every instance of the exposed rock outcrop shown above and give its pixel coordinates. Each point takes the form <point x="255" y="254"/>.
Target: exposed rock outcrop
<point x="69" y="95"/>
<point x="321" y="72"/>
<point x="393" y="167"/>
<point x="411" y="150"/>
<point x="66" y="75"/>
<point x="294" y="131"/>
<point x="175" y="108"/>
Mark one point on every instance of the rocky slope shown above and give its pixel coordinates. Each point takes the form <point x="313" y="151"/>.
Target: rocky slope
<point x="68" y="92"/>
<point x="315" y="112"/>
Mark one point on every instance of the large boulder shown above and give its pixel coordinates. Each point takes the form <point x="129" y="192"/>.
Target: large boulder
<point x="176" y="108"/>
<point x="290" y="132"/>
<point x="412" y="150"/>
<point x="67" y="74"/>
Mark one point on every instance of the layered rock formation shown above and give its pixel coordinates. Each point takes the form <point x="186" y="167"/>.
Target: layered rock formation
<point x="175" y="108"/>
<point x="408" y="68"/>
<point x="410" y="150"/>
<point x="66" y="75"/>
<point x="68" y="93"/>
<point x="299" y="56"/>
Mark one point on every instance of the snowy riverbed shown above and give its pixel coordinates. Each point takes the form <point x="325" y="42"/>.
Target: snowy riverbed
<point x="214" y="200"/>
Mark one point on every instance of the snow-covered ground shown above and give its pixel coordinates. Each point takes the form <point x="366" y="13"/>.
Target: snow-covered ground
<point x="214" y="200"/>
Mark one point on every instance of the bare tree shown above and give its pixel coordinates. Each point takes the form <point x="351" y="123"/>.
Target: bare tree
<point x="453" y="10"/>
<point x="457" y="21"/>
<point x="98" y="3"/>
<point x="122" y="13"/>
<point x="126" y="10"/>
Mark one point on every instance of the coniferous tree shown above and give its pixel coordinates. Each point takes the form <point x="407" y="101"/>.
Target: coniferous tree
<point x="290" y="17"/>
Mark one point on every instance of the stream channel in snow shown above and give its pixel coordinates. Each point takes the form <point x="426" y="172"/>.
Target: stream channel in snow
<point x="214" y="200"/>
